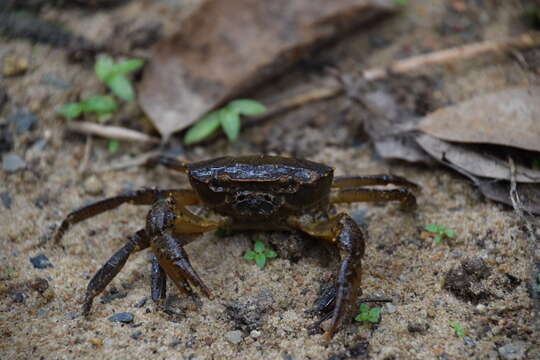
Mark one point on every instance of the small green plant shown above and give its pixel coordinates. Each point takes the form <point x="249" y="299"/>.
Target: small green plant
<point x="259" y="254"/>
<point x="368" y="315"/>
<point x="114" y="75"/>
<point x="101" y="105"/>
<point x="227" y="117"/>
<point x="535" y="163"/>
<point x="400" y="2"/>
<point x="113" y="146"/>
<point x="458" y="329"/>
<point x="440" y="231"/>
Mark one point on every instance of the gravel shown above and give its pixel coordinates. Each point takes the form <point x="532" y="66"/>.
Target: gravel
<point x="123" y="317"/>
<point x="41" y="262"/>
<point x="234" y="337"/>
<point x="12" y="162"/>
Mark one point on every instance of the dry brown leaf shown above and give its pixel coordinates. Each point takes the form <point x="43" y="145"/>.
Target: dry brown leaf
<point x="475" y="160"/>
<point x="529" y="194"/>
<point x="510" y="117"/>
<point x="228" y="47"/>
<point x="401" y="147"/>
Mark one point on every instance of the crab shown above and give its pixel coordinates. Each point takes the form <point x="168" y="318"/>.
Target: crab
<point x="257" y="192"/>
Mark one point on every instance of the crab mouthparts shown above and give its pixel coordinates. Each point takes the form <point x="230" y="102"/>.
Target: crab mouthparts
<point x="249" y="203"/>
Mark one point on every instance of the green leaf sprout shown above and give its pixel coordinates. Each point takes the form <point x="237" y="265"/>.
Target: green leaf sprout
<point x="101" y="105"/>
<point x="440" y="231"/>
<point x="114" y="75"/>
<point x="368" y="315"/>
<point x="458" y="329"/>
<point x="259" y="254"/>
<point x="228" y="117"/>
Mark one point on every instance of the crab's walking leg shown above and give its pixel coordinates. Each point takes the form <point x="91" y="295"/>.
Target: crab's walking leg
<point x="168" y="162"/>
<point x="139" y="197"/>
<point x="159" y="281"/>
<point x="370" y="180"/>
<point x="358" y="194"/>
<point x="349" y="238"/>
<point x="137" y="242"/>
<point x="165" y="221"/>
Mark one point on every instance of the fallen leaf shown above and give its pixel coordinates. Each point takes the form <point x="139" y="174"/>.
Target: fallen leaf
<point x="227" y="47"/>
<point x="510" y="117"/>
<point x="402" y="147"/>
<point x="529" y="194"/>
<point x="475" y="159"/>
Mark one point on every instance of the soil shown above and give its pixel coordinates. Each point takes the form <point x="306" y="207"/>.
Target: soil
<point x="479" y="279"/>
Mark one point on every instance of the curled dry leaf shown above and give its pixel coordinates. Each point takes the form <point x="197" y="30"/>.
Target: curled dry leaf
<point x="475" y="160"/>
<point x="228" y="47"/>
<point x="510" y="117"/>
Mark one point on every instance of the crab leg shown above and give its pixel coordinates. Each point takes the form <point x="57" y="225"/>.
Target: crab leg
<point x="158" y="282"/>
<point x="137" y="242"/>
<point x="358" y="194"/>
<point x="139" y="197"/>
<point x="165" y="220"/>
<point x="369" y="180"/>
<point x="168" y="162"/>
<point x="349" y="238"/>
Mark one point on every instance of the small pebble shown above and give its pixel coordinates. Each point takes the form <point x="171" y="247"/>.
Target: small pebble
<point x="6" y="199"/>
<point x="136" y="335"/>
<point x="358" y="215"/>
<point x="513" y="351"/>
<point x="123" y="317"/>
<point x="255" y="334"/>
<point x="95" y="341"/>
<point x="93" y="186"/>
<point x="234" y="337"/>
<point x="389" y="308"/>
<point x="23" y="121"/>
<point x="41" y="262"/>
<point x="481" y="308"/>
<point x="18" y="297"/>
<point x="12" y="162"/>
<point x="14" y="65"/>
<point x="140" y="303"/>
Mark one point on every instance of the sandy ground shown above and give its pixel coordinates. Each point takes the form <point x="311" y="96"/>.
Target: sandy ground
<point x="479" y="279"/>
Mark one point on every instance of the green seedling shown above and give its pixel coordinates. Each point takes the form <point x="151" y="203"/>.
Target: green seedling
<point x="113" y="74"/>
<point x="400" y="2"/>
<point x="259" y="254"/>
<point x="101" y="105"/>
<point x="458" y="329"/>
<point x="535" y="163"/>
<point x="112" y="146"/>
<point x="368" y="315"/>
<point x="440" y="231"/>
<point x="227" y="117"/>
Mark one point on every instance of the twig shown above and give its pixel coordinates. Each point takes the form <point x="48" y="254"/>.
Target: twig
<point x="111" y="132"/>
<point x="533" y="242"/>
<point x="459" y="53"/>
<point x="86" y="156"/>
<point x="292" y="102"/>
<point x="137" y="161"/>
<point x="446" y="56"/>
